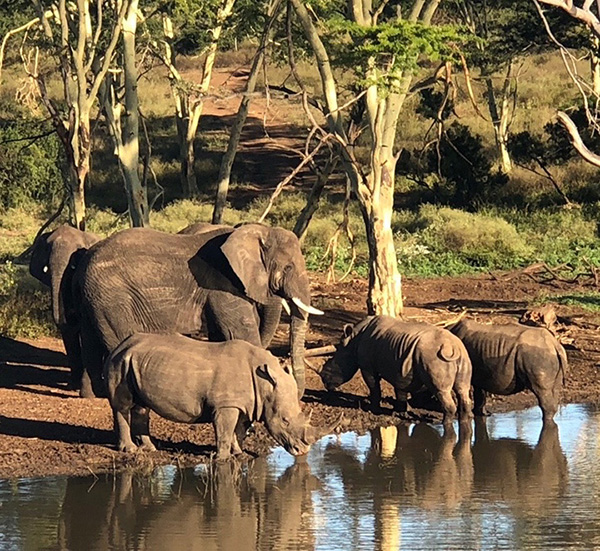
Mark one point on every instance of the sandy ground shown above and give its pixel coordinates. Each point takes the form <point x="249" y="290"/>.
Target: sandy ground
<point x="46" y="429"/>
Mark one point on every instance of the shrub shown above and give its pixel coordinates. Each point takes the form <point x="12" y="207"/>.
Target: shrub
<point x="29" y="170"/>
<point x="484" y="241"/>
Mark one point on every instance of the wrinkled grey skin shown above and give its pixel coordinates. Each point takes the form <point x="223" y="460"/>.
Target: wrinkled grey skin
<point x="510" y="358"/>
<point x="143" y="280"/>
<point x="184" y="380"/>
<point x="54" y="258"/>
<point x="268" y="315"/>
<point x="406" y="355"/>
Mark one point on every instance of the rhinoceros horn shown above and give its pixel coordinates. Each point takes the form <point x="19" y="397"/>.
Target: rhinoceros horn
<point x="312" y="433"/>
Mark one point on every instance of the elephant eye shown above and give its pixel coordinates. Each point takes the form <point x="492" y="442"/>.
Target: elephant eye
<point x="285" y="421"/>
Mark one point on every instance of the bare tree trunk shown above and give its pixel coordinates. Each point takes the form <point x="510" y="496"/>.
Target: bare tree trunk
<point x="595" y="67"/>
<point x="240" y="120"/>
<point x="500" y="117"/>
<point x="137" y="197"/>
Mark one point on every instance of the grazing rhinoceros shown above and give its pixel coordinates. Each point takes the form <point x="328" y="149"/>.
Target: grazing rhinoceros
<point x="509" y="358"/>
<point x="406" y="355"/>
<point x="231" y="384"/>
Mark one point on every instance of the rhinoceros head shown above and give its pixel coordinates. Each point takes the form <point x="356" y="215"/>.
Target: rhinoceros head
<point x="342" y="366"/>
<point x="281" y="410"/>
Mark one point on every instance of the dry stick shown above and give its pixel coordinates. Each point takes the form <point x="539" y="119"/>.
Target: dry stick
<point x="289" y="178"/>
<point x="333" y="242"/>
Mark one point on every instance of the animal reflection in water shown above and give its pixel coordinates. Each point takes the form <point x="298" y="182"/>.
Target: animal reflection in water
<point x="425" y="469"/>
<point x="228" y="508"/>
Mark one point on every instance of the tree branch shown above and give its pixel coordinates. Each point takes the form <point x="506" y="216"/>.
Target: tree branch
<point x="576" y="140"/>
<point x="582" y="14"/>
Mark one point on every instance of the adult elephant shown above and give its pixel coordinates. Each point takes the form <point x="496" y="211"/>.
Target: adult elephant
<point x="145" y="280"/>
<point x="54" y="259"/>
<point x="269" y="314"/>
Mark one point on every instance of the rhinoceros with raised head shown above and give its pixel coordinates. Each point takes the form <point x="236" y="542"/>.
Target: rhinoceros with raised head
<point x="508" y="358"/>
<point x="230" y="383"/>
<point x="408" y="355"/>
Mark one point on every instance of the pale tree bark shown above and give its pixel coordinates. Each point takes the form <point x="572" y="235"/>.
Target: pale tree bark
<point x="242" y="114"/>
<point x="499" y="106"/>
<point x="137" y="196"/>
<point x="189" y="99"/>
<point x="77" y="48"/>
<point x="585" y="15"/>
<point x="373" y="186"/>
<point x="595" y="66"/>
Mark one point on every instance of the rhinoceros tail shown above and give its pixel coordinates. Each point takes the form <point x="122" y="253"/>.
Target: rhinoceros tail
<point x="449" y="352"/>
<point x="562" y="361"/>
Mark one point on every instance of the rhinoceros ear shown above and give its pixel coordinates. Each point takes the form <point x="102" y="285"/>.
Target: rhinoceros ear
<point x="264" y="372"/>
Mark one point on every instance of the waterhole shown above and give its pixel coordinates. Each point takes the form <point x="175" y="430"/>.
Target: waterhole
<point x="506" y="484"/>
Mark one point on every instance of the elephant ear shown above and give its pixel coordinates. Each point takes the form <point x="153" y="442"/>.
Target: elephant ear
<point x="244" y="250"/>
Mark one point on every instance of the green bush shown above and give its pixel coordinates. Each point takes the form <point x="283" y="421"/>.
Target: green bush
<point x="479" y="240"/>
<point x="29" y="169"/>
<point x="24" y="307"/>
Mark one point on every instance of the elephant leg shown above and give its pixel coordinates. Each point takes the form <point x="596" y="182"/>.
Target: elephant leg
<point x="231" y="317"/>
<point x="374" y="384"/>
<point x="479" y="396"/>
<point x="70" y="337"/>
<point x="225" y="422"/>
<point x="269" y="314"/>
<point x="140" y="427"/>
<point x="92" y="352"/>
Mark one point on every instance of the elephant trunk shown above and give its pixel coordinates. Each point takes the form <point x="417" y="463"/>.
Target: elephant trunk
<point x="270" y="314"/>
<point x="298" y="328"/>
<point x="58" y="272"/>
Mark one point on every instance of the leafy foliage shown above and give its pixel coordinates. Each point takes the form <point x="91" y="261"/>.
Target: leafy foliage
<point x="29" y="167"/>
<point x="380" y="53"/>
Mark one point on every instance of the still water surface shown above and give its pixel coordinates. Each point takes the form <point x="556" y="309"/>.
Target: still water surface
<point x="510" y="485"/>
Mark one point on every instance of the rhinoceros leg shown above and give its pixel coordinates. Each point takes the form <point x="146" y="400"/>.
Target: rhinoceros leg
<point x="123" y="430"/>
<point x="401" y="400"/>
<point x="140" y="426"/>
<point x="241" y="428"/>
<point x="225" y="422"/>
<point x="465" y="404"/>
<point x="479" y="399"/>
<point x="448" y="405"/>
<point x="548" y="401"/>
<point x="374" y="385"/>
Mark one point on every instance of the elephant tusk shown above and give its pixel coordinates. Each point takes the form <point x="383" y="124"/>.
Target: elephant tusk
<point x="286" y="306"/>
<point x="307" y="309"/>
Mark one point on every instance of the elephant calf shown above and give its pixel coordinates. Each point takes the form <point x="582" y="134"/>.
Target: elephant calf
<point x="408" y="356"/>
<point x="510" y="358"/>
<point x="231" y="383"/>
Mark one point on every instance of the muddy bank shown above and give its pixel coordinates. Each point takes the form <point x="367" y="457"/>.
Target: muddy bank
<point x="46" y="429"/>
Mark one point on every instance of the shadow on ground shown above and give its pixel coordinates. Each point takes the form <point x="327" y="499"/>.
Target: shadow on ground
<point x="53" y="430"/>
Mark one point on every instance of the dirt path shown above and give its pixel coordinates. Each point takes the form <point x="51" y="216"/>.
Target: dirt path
<point x="46" y="429"/>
